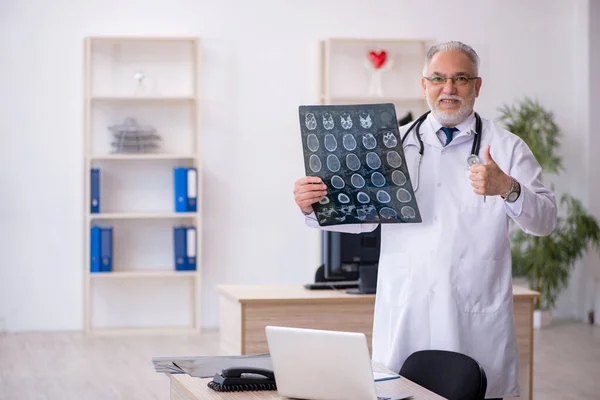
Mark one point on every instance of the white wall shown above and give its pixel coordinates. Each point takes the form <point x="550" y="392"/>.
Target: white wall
<point x="260" y="64"/>
<point x="583" y="291"/>
<point x="592" y="295"/>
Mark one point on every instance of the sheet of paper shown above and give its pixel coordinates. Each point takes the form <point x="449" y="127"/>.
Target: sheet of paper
<point x="208" y="366"/>
<point x="382" y="376"/>
<point x="395" y="396"/>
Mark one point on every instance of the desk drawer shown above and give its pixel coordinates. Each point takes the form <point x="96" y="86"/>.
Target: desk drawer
<point x="342" y="316"/>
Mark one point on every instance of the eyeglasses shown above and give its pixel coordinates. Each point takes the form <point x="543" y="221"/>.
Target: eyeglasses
<point x="461" y="80"/>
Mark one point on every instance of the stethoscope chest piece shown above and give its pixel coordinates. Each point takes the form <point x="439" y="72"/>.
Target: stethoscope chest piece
<point x="472" y="160"/>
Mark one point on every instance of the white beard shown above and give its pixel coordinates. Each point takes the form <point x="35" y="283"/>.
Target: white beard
<point x="452" y="118"/>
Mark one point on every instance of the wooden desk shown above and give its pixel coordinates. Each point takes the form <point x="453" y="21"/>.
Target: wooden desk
<point x="184" y="387"/>
<point x="245" y="310"/>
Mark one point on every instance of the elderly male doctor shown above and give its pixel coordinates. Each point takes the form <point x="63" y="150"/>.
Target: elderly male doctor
<point x="446" y="283"/>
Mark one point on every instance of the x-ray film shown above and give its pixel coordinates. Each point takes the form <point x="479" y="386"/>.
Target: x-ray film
<point x="356" y="150"/>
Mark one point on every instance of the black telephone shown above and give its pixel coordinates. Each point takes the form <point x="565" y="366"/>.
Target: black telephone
<point x="242" y="379"/>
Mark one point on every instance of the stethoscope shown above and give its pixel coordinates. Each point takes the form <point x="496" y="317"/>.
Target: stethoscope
<point x="471" y="160"/>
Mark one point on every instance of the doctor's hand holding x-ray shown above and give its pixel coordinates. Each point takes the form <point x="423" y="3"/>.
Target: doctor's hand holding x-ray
<point x="445" y="283"/>
<point x="307" y="191"/>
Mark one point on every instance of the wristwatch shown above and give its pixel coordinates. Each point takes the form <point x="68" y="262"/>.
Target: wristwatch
<point x="513" y="193"/>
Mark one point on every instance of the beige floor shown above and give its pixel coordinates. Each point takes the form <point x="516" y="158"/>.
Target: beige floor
<point x="61" y="366"/>
<point x="567" y="362"/>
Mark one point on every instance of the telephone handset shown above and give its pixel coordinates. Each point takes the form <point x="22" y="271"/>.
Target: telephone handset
<point x="242" y="379"/>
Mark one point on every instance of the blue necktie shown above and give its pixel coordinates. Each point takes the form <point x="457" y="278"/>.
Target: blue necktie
<point x="449" y="132"/>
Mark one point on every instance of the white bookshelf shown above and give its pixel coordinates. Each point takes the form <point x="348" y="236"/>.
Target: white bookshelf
<point x="345" y="75"/>
<point x="143" y="292"/>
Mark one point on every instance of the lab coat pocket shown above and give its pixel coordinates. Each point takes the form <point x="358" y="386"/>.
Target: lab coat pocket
<point x="394" y="278"/>
<point x="478" y="285"/>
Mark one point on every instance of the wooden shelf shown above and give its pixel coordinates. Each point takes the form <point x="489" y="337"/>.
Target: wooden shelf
<point x="142" y="98"/>
<point x="142" y="215"/>
<point x="370" y="40"/>
<point x="150" y="330"/>
<point x="145" y="38"/>
<point x="140" y="157"/>
<point x="143" y="274"/>
<point x="368" y="99"/>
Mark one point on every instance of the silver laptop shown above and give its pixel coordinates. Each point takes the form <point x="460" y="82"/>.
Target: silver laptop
<point x="322" y="365"/>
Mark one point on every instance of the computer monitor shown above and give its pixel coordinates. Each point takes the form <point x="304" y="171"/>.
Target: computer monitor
<point x="406" y="119"/>
<point x="343" y="253"/>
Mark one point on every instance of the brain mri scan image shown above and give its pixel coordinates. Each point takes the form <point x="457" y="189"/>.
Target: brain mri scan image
<point x="357" y="151"/>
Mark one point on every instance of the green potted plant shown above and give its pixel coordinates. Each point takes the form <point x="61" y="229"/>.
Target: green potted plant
<point x="546" y="262"/>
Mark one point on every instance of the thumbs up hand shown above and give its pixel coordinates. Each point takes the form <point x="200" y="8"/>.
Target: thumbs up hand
<point x="487" y="157"/>
<point x="487" y="178"/>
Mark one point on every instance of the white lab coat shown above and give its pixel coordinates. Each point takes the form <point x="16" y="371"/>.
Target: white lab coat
<point x="446" y="283"/>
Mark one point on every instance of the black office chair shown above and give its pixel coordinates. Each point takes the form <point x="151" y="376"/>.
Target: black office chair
<point x="452" y="375"/>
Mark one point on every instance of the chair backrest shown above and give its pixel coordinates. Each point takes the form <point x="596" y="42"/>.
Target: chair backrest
<point x="454" y="376"/>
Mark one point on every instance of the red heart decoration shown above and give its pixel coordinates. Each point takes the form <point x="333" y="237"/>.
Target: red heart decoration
<point x="378" y="58"/>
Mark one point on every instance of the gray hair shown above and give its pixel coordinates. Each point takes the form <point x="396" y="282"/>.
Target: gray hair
<point x="453" y="46"/>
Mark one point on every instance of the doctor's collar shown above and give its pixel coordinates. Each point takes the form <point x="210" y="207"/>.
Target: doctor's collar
<point x="467" y="125"/>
